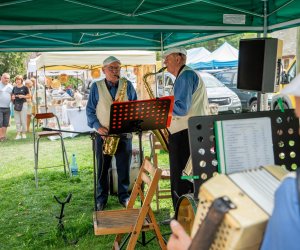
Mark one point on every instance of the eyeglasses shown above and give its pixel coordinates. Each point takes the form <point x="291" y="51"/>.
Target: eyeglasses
<point x="111" y="68"/>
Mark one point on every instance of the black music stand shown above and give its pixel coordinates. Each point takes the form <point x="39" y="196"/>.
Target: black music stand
<point x="139" y="116"/>
<point x="285" y="137"/>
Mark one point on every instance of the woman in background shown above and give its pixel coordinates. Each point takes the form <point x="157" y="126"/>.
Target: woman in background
<point x="20" y="94"/>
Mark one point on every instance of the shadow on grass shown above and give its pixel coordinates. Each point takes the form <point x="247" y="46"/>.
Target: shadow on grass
<point x="29" y="220"/>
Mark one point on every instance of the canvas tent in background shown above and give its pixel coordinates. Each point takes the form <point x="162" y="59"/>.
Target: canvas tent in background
<point x="143" y="61"/>
<point x="92" y="59"/>
<point x="196" y="54"/>
<point x="225" y="56"/>
<point x="44" y="25"/>
<point x="201" y="59"/>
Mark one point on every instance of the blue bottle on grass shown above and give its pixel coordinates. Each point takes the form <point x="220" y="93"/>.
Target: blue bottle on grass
<point x="74" y="166"/>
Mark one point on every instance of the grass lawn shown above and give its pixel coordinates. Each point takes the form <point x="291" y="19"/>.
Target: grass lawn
<point x="28" y="215"/>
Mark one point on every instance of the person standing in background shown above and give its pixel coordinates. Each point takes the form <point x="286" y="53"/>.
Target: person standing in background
<point x="5" y="99"/>
<point x="20" y="94"/>
<point x="29" y="84"/>
<point x="34" y="97"/>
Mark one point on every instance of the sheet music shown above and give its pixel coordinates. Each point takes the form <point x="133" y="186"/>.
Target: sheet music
<point x="259" y="185"/>
<point x="244" y="144"/>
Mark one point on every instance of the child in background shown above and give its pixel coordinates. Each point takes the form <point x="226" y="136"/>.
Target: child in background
<point x="29" y="84"/>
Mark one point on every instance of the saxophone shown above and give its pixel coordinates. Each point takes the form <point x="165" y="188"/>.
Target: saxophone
<point x="161" y="134"/>
<point x="110" y="143"/>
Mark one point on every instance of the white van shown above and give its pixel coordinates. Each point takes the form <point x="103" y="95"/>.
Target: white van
<point x="217" y="92"/>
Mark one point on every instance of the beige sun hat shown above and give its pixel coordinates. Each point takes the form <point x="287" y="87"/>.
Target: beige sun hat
<point x="170" y="51"/>
<point x="293" y="88"/>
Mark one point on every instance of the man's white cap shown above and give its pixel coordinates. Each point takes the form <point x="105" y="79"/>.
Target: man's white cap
<point x="293" y="88"/>
<point x="170" y="51"/>
<point x="110" y="59"/>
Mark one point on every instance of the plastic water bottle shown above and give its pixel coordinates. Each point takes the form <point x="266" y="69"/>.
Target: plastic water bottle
<point x="74" y="166"/>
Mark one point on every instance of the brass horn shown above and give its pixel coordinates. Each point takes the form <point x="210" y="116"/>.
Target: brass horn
<point x="161" y="134"/>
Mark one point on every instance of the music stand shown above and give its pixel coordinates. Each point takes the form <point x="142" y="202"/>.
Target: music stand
<point x="139" y="116"/>
<point x="286" y="141"/>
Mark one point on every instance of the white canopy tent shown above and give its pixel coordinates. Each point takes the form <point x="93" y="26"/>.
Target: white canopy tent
<point x="195" y="55"/>
<point x="225" y="53"/>
<point x="91" y="59"/>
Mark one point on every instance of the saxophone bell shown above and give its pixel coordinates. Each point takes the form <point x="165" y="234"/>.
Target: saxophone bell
<point x="161" y="134"/>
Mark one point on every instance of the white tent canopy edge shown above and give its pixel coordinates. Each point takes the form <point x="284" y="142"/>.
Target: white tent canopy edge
<point x="92" y="58"/>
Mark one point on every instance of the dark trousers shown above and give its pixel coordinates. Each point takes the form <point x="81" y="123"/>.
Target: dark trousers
<point x="123" y="162"/>
<point x="179" y="153"/>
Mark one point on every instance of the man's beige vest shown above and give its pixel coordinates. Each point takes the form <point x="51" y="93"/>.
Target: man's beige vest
<point x="105" y="101"/>
<point x="199" y="106"/>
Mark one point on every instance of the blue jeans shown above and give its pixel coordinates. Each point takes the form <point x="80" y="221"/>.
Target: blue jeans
<point x="123" y="162"/>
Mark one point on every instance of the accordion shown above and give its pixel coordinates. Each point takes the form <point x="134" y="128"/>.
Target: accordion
<point x="252" y="192"/>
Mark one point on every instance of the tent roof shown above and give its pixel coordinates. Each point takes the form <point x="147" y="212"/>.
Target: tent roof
<point x="196" y="54"/>
<point x="92" y="59"/>
<point x="44" y="25"/>
<point x="224" y="56"/>
<point x="224" y="53"/>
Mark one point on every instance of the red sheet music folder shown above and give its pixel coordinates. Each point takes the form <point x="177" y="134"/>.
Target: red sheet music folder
<point x="131" y="116"/>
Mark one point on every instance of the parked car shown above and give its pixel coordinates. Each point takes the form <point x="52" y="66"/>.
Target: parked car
<point x="218" y="93"/>
<point x="248" y="98"/>
<point x="288" y="101"/>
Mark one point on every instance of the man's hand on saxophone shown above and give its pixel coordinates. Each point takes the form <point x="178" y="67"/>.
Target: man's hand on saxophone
<point x="102" y="131"/>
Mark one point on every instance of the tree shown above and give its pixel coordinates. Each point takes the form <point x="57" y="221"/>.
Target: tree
<point x="233" y="40"/>
<point x="13" y="63"/>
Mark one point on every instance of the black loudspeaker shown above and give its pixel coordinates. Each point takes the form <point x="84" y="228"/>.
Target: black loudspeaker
<point x="259" y="66"/>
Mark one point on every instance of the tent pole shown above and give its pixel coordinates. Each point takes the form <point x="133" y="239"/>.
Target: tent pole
<point x="36" y="92"/>
<point x="45" y="92"/>
<point x="262" y="98"/>
<point x="162" y="63"/>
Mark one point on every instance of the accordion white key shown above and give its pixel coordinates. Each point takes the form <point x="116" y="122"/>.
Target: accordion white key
<point x="252" y="191"/>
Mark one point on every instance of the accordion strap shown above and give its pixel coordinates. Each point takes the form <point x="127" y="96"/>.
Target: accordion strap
<point x="208" y="228"/>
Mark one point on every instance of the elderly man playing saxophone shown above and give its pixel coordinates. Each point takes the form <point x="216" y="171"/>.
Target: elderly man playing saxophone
<point x="102" y="95"/>
<point x="190" y="99"/>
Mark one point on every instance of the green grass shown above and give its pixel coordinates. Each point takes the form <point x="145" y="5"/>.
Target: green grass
<point x="28" y="215"/>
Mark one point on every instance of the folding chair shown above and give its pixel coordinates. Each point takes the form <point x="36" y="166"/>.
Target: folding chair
<point x="132" y="220"/>
<point x="155" y="146"/>
<point x="37" y="135"/>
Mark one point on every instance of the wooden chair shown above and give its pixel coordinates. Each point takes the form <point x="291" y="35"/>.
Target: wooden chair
<point x="37" y="135"/>
<point x="159" y="193"/>
<point x="133" y="220"/>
